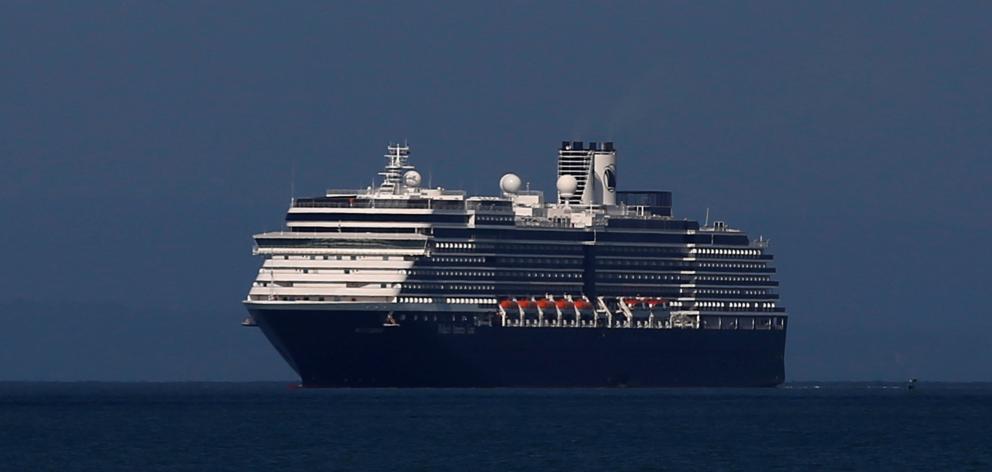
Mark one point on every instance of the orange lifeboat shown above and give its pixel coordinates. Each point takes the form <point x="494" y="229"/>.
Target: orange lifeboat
<point x="523" y="303"/>
<point x="582" y="304"/>
<point x="544" y="303"/>
<point x="651" y="302"/>
<point x="632" y="302"/>
<point x="505" y="304"/>
<point x="562" y="304"/>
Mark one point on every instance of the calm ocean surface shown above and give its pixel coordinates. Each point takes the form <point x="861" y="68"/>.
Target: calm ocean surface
<point x="268" y="426"/>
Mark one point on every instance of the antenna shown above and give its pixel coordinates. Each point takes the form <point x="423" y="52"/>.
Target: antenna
<point x="707" y="222"/>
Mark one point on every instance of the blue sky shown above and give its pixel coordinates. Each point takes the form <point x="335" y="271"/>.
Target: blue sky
<point x="143" y="143"/>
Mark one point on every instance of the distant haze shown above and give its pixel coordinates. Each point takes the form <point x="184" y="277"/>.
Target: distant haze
<point x="142" y="143"/>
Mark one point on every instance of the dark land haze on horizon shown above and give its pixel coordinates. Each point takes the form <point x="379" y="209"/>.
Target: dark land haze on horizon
<point x="142" y="144"/>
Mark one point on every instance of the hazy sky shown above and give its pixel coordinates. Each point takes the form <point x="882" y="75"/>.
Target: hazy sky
<point x="142" y="143"/>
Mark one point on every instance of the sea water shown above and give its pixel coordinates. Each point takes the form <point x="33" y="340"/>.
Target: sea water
<point x="270" y="426"/>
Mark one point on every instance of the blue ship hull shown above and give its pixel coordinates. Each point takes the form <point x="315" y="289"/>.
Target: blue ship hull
<point x="357" y="349"/>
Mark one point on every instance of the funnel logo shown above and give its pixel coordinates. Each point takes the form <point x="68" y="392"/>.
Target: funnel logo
<point x="610" y="179"/>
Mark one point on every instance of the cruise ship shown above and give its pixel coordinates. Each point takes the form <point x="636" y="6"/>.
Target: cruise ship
<point x="402" y="285"/>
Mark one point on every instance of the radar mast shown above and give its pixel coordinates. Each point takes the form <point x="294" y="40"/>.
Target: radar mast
<point x="392" y="174"/>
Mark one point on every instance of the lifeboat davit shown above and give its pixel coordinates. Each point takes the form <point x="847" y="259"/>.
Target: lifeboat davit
<point x="544" y="303"/>
<point x="655" y="301"/>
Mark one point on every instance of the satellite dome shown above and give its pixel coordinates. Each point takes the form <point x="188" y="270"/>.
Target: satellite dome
<point x="567" y="185"/>
<point x="510" y="183"/>
<point x="412" y="179"/>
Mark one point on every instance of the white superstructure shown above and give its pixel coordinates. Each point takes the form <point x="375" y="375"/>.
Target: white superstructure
<point x="401" y="245"/>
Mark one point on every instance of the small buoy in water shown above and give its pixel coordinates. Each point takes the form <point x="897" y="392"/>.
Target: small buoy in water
<point x="912" y="383"/>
